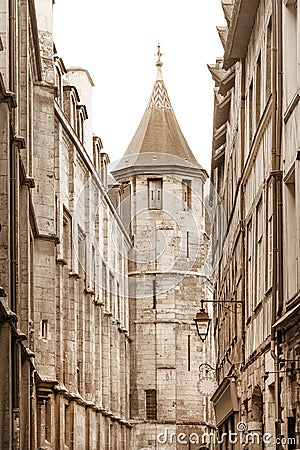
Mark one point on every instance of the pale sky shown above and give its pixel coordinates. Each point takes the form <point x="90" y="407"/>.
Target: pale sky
<point x="116" y="41"/>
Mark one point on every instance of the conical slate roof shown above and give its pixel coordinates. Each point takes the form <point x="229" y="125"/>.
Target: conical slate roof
<point x="159" y="139"/>
<point x="159" y="131"/>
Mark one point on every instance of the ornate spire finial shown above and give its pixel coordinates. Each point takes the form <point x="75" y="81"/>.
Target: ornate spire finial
<point x="159" y="55"/>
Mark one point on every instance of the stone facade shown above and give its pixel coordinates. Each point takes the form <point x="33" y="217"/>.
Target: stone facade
<point x="98" y="292"/>
<point x="64" y="315"/>
<point x="255" y="162"/>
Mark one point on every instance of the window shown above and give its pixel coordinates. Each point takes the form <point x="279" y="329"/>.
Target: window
<point x="270" y="238"/>
<point x="66" y="241"/>
<point x="96" y="155"/>
<point x="155" y="193"/>
<point x="249" y="269"/>
<point x="118" y="305"/>
<point x="81" y="251"/>
<point x="44" y="329"/>
<point x="291" y="237"/>
<point x="68" y="425"/>
<point x="73" y="112"/>
<point x="103" y="171"/>
<point x="292" y="431"/>
<point x="80" y="127"/>
<point x="151" y="404"/>
<point x="250" y="113"/>
<point x="58" y="83"/>
<point x="48" y="420"/>
<point x="291" y="43"/>
<point x="268" y="60"/>
<point x="187" y="193"/>
<point x="104" y="285"/>
<point x="258" y="90"/>
<point x="111" y="306"/>
<point x="154" y="292"/>
<point x="259" y="255"/>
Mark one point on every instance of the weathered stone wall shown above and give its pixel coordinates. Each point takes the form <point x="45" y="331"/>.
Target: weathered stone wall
<point x="164" y="349"/>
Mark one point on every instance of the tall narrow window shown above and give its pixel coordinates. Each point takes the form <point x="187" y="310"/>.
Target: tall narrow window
<point x="81" y="127"/>
<point x="66" y="241"/>
<point x="249" y="270"/>
<point x="291" y="50"/>
<point x="111" y="306"/>
<point x="187" y="193"/>
<point x="250" y="113"/>
<point x="291" y="238"/>
<point x="68" y="426"/>
<point x="292" y="431"/>
<point x="258" y="91"/>
<point x="81" y="251"/>
<point x="118" y="305"/>
<point x="48" y="420"/>
<point x="44" y="329"/>
<point x="154" y="292"/>
<point x="73" y="112"/>
<point x="155" y="193"/>
<point x="104" y="285"/>
<point x="151" y="404"/>
<point x="270" y="239"/>
<point x="259" y="255"/>
<point x="268" y="60"/>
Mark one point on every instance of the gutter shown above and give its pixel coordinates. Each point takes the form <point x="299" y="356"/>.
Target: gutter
<point x="277" y="196"/>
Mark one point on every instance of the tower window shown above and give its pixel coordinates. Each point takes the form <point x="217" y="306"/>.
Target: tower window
<point x="151" y="404"/>
<point x="155" y="193"/>
<point x="187" y="193"/>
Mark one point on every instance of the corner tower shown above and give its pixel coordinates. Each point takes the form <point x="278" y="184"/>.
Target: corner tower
<point x="162" y="205"/>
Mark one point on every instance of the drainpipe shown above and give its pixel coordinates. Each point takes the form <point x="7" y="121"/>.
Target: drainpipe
<point x="13" y="149"/>
<point x="12" y="45"/>
<point x="242" y="357"/>
<point x="276" y="184"/>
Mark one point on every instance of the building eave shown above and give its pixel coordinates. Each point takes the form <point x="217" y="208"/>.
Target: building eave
<point x="241" y="25"/>
<point x="158" y="170"/>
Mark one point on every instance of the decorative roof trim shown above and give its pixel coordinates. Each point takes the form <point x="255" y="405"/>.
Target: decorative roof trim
<point x="159" y="98"/>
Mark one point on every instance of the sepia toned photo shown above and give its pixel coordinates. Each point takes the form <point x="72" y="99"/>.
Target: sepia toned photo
<point x="150" y="225"/>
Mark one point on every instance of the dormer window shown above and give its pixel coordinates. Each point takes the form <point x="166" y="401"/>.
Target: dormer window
<point x="71" y="100"/>
<point x="58" y="84"/>
<point x="81" y="117"/>
<point x="155" y="193"/>
<point x="80" y="126"/>
<point x="72" y="112"/>
<point x="97" y="147"/>
<point x="59" y="72"/>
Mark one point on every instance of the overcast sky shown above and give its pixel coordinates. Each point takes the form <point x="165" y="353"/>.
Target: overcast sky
<point x="115" y="40"/>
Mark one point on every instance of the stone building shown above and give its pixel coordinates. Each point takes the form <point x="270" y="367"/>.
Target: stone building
<point x="161" y="201"/>
<point x="255" y="170"/>
<point x="64" y="317"/>
<point x="98" y="352"/>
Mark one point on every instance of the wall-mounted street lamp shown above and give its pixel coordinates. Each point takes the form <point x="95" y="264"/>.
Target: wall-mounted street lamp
<point x="202" y="319"/>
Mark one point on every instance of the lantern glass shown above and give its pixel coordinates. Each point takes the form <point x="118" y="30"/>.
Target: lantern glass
<point x="202" y="321"/>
